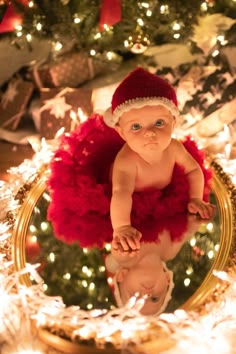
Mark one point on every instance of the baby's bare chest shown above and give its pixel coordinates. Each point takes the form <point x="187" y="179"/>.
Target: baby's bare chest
<point x="153" y="176"/>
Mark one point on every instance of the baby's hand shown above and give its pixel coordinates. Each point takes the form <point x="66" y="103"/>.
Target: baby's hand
<point x="126" y="239"/>
<point x="205" y="210"/>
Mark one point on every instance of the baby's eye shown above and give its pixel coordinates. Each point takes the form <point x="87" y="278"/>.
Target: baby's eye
<point x="159" y="122"/>
<point x="136" y="126"/>
<point x="154" y="298"/>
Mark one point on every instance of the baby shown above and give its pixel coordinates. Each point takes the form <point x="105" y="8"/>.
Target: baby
<point x="145" y="272"/>
<point x="144" y="112"/>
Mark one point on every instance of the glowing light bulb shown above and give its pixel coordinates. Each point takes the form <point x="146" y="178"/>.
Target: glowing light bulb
<point x="164" y="9"/>
<point x="204" y="6"/>
<point x="77" y="20"/>
<point x="39" y="26"/>
<point x="44" y="226"/>
<point x="210" y="254"/>
<point x="32" y="228"/>
<point x="108" y="247"/>
<point x="93" y="52"/>
<point x="58" y="46"/>
<point x="84" y="283"/>
<point x="189" y="270"/>
<point x="176" y="26"/>
<point x="109" y="55"/>
<point x="101" y="269"/>
<point x="67" y="276"/>
<point x="52" y="257"/>
<point x="91" y="287"/>
<point x="192" y="242"/>
<point x="29" y="37"/>
<point x="140" y="22"/>
<point x="126" y="44"/>
<point x="217" y="247"/>
<point x="84" y="269"/>
<point x="215" y="53"/>
<point x="187" y="281"/>
<point x="176" y="35"/>
<point x="210" y="227"/>
<point x="97" y="35"/>
<point x="110" y="280"/>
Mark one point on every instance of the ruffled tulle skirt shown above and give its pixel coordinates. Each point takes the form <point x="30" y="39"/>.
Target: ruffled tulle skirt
<point x="80" y="189"/>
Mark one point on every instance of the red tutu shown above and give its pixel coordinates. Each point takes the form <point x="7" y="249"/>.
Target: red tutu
<point x="81" y="192"/>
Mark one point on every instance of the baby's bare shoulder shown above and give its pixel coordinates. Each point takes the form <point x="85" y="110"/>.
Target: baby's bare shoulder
<point x="175" y="144"/>
<point x="126" y="154"/>
<point x="176" y="147"/>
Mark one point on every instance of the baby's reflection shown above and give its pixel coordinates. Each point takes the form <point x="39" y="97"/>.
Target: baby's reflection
<point x="140" y="267"/>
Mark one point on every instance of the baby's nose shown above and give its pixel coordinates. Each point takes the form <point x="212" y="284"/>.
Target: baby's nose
<point x="150" y="133"/>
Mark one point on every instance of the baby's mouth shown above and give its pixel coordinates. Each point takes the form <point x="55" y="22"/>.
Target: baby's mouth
<point x="152" y="142"/>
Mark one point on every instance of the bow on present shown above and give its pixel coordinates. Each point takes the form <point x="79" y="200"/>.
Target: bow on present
<point x="110" y="13"/>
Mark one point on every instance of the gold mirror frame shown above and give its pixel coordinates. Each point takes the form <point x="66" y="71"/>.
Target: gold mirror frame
<point x="224" y="191"/>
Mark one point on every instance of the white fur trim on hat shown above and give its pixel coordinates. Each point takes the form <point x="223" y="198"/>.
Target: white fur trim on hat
<point x="111" y="119"/>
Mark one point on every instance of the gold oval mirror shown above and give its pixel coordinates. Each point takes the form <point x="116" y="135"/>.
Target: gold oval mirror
<point x="79" y="275"/>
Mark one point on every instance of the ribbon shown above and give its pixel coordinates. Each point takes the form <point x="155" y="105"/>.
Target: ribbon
<point x="110" y="13"/>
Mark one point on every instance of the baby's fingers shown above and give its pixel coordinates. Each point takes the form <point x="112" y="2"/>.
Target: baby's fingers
<point x="123" y="241"/>
<point x="211" y="210"/>
<point x="134" y="243"/>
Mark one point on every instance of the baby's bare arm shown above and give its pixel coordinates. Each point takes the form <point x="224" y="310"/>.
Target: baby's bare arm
<point x="192" y="170"/>
<point x="196" y="182"/>
<point x="123" y="182"/>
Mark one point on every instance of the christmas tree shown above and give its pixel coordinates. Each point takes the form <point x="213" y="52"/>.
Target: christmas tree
<point x="103" y="26"/>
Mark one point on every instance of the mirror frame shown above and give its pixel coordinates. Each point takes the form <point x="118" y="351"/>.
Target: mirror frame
<point x="224" y="191"/>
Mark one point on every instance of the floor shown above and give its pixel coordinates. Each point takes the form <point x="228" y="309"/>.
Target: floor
<point x="12" y="155"/>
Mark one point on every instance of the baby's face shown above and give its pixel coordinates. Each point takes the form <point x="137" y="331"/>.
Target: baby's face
<point x="147" y="129"/>
<point x="146" y="281"/>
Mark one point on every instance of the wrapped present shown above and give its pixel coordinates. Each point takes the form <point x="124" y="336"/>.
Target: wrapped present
<point x="63" y="108"/>
<point x="14" y="101"/>
<point x="69" y="70"/>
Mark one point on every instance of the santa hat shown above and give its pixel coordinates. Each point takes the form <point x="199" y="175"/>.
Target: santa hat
<point x="138" y="89"/>
<point x="113" y="267"/>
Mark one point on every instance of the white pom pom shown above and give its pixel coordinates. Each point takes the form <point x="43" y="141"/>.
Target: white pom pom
<point x="109" y="118"/>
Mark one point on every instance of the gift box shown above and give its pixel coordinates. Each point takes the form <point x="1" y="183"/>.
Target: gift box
<point x="69" y="70"/>
<point x="14" y="101"/>
<point x="60" y="108"/>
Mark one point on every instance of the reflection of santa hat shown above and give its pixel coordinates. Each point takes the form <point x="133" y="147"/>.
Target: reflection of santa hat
<point x="138" y="89"/>
<point x="112" y="267"/>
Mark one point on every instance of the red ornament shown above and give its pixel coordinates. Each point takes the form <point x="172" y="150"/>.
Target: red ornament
<point x="11" y="19"/>
<point x="110" y="13"/>
<point x="32" y="248"/>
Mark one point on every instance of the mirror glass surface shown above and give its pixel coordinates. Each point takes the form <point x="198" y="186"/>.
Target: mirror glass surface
<point x="79" y="275"/>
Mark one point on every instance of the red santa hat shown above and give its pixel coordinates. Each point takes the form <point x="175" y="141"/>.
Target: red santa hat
<point x="140" y="88"/>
